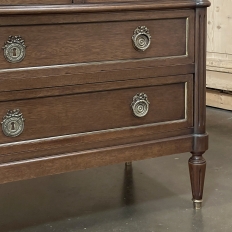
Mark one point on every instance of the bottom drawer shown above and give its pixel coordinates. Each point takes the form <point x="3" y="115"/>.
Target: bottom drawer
<point x="96" y="111"/>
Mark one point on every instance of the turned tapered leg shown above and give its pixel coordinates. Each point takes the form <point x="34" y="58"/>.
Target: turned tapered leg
<point x="197" y="166"/>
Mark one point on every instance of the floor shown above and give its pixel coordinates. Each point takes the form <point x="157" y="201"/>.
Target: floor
<point x="153" y="196"/>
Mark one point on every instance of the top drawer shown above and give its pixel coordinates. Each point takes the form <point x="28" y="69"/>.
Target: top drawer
<point x="157" y="37"/>
<point x="26" y="2"/>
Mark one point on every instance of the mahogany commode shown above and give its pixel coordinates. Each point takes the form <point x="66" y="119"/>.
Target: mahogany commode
<point x="97" y="82"/>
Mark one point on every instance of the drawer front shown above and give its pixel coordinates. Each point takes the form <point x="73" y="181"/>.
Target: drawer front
<point x="96" y="111"/>
<point x="45" y="45"/>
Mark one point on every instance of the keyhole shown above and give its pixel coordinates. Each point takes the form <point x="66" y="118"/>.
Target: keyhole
<point x="12" y="126"/>
<point x="14" y="52"/>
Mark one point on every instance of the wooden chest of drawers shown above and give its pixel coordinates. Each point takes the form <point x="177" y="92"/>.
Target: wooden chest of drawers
<point x="91" y="83"/>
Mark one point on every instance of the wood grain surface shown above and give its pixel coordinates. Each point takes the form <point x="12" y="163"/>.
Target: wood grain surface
<point x="80" y="74"/>
<point x="72" y="114"/>
<point x="91" y="42"/>
<point x="26" y="2"/>
<point x="93" y="158"/>
<point x="35" y="82"/>
<point x="108" y="6"/>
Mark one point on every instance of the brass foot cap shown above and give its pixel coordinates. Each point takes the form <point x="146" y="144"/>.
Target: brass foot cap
<point x="197" y="204"/>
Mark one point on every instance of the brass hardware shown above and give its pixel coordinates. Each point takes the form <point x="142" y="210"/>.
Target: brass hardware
<point x="141" y="38"/>
<point x="197" y="204"/>
<point x="14" y="49"/>
<point x="140" y="105"/>
<point x="13" y="123"/>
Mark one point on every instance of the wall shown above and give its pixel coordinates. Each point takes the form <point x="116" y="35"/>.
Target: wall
<point x="219" y="54"/>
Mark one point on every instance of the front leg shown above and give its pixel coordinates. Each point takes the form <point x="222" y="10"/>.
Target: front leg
<point x="197" y="166"/>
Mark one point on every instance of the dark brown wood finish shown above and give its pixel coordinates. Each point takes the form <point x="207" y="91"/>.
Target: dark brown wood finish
<point x="43" y="79"/>
<point x="197" y="163"/>
<point x="106" y="1"/>
<point x="79" y="76"/>
<point x="27" y="2"/>
<point x="109" y="7"/>
<point x="197" y="167"/>
<point x="80" y="43"/>
<point x="82" y="17"/>
<point x="93" y="158"/>
<point x="86" y="112"/>
<point x="85" y="142"/>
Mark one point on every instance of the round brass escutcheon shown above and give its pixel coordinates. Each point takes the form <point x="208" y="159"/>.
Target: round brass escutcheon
<point x="141" y="38"/>
<point x="140" y="105"/>
<point x="13" y="123"/>
<point x="14" y="49"/>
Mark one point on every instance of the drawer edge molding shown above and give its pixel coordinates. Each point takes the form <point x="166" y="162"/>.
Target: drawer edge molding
<point x="86" y="159"/>
<point x="183" y="60"/>
<point x="94" y="136"/>
<point x="56" y="9"/>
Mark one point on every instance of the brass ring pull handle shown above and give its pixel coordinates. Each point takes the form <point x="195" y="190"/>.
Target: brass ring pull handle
<point x="14" y="49"/>
<point x="140" y="105"/>
<point x="141" y="38"/>
<point x="13" y="123"/>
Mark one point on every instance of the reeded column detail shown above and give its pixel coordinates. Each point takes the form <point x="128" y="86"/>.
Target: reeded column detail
<point x="197" y="164"/>
<point x="197" y="167"/>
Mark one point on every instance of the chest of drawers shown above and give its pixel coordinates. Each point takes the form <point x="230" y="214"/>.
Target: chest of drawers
<point x="91" y="83"/>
